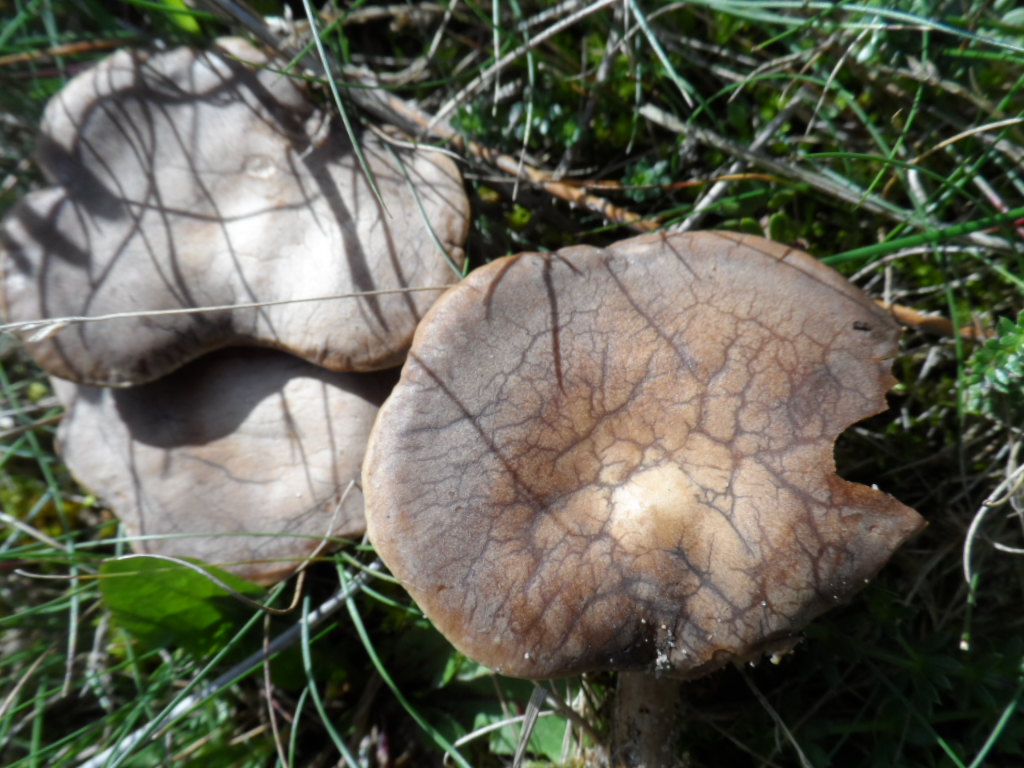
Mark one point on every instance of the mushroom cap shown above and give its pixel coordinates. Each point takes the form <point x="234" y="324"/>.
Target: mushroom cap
<point x="622" y="458"/>
<point x="241" y="458"/>
<point x="186" y="179"/>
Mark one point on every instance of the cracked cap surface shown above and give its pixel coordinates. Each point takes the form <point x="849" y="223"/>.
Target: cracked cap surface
<point x="622" y="458"/>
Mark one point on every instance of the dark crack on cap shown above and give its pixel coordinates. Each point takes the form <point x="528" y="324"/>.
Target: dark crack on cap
<point x="623" y="457"/>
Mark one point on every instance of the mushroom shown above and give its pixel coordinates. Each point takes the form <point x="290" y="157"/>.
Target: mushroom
<point x="622" y="458"/>
<point x="244" y="458"/>
<point x="185" y="179"/>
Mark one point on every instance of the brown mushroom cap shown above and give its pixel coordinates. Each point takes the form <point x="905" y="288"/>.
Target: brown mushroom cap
<point x="241" y="458"/>
<point x="188" y="179"/>
<point x="623" y="458"/>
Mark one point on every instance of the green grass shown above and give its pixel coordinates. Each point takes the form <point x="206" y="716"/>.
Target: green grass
<point x="886" y="138"/>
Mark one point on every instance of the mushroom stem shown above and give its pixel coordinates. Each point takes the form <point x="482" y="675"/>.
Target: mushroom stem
<point x="645" y="722"/>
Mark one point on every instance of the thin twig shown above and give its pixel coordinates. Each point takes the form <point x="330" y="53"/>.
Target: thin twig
<point x="935" y="325"/>
<point x="67" y="49"/>
<point x="482" y="80"/>
<point x="777" y="718"/>
<point x="12" y="697"/>
<point x="719" y="187"/>
<point x="819" y="181"/>
<point x="35" y="533"/>
<point x="43" y="328"/>
<point x="1011" y="484"/>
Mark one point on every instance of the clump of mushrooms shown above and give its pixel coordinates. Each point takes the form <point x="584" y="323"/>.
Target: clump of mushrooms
<point x="622" y="458"/>
<point x="188" y="179"/>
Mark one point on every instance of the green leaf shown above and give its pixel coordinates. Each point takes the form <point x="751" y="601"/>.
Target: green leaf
<point x="161" y="603"/>
<point x="181" y="16"/>
<point x="546" y="740"/>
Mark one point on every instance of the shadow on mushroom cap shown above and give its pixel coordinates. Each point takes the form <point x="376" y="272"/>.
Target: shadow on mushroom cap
<point x="189" y="179"/>
<point x="623" y="458"/>
<point x="241" y="458"/>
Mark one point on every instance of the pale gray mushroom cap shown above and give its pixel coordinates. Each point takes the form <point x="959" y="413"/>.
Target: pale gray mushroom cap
<point x="622" y="458"/>
<point x="241" y="458"/>
<point x="186" y="179"/>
